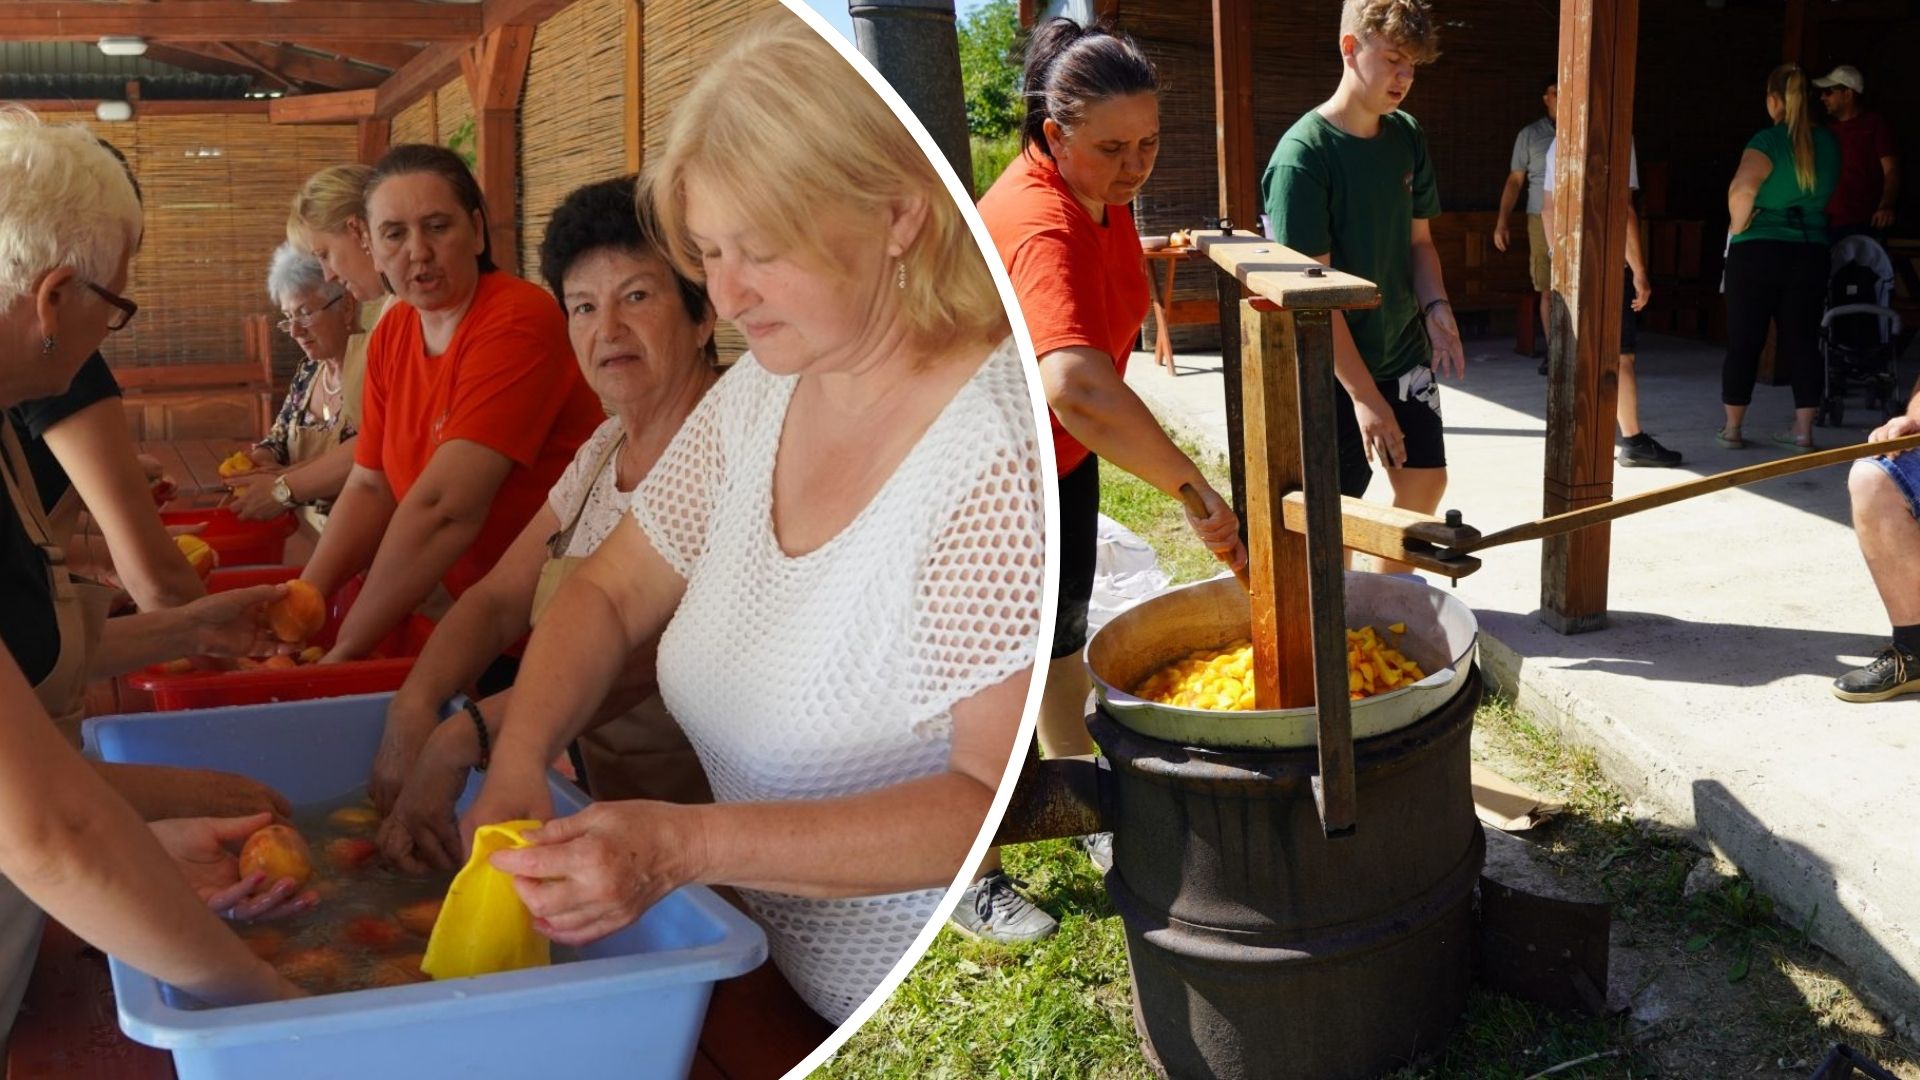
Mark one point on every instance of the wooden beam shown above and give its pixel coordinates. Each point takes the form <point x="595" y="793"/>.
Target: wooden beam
<point x="342" y="107"/>
<point x="192" y="59"/>
<point x="398" y="21"/>
<point x="635" y="116"/>
<point x="1598" y="43"/>
<point x="422" y="75"/>
<point x="498" y="13"/>
<point x="1276" y="557"/>
<point x="230" y="63"/>
<point x="308" y="68"/>
<point x="1795" y="33"/>
<point x="496" y="72"/>
<point x="210" y="107"/>
<point x="228" y="52"/>
<point x="390" y="57"/>
<point x="1233" y="112"/>
<point x="372" y="137"/>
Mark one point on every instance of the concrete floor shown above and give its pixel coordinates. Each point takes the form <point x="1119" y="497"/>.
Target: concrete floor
<point x="1707" y="697"/>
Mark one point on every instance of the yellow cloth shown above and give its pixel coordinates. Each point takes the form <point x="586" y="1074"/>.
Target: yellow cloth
<point x="483" y="926"/>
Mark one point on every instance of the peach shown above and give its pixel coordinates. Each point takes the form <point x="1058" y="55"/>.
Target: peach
<point x="419" y="916"/>
<point x="236" y="463"/>
<point x="320" y="968"/>
<point x="278" y="852"/>
<point x="279" y="662"/>
<point x="399" y="970"/>
<point x="299" y="614"/>
<point x="202" y="558"/>
<point x="357" y="818"/>
<point x="375" y="932"/>
<point x="311" y="654"/>
<point x="265" y="942"/>
<point x="348" y="852"/>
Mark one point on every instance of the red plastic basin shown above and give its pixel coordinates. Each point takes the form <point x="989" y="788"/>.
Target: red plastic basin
<point x="383" y="671"/>
<point x="237" y="542"/>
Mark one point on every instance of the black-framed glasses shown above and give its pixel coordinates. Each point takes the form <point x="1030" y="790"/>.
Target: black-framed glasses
<point x="287" y="324"/>
<point x="127" y="308"/>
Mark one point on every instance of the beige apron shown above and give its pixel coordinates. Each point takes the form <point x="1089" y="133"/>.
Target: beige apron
<point x="80" y="615"/>
<point x="642" y="753"/>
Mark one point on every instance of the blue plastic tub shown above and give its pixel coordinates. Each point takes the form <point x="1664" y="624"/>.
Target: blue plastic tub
<point x="631" y="1007"/>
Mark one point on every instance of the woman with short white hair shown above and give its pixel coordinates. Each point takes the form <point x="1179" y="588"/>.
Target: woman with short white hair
<point x="307" y="453"/>
<point x="840" y="553"/>
<point x="69" y="223"/>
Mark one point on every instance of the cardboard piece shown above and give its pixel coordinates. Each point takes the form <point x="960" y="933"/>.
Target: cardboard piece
<point x="1506" y="805"/>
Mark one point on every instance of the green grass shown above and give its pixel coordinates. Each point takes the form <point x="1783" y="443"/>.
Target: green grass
<point x="1158" y="520"/>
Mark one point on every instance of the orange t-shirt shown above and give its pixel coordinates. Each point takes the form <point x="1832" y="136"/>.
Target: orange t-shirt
<point x="507" y="381"/>
<point x="1080" y="283"/>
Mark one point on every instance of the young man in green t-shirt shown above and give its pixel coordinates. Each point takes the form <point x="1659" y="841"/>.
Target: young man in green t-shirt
<point x="1351" y="184"/>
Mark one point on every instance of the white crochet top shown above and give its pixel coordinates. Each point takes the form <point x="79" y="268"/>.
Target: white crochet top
<point x="834" y="673"/>
<point x="605" y="502"/>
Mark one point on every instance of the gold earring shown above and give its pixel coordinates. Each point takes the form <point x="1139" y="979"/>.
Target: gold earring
<point x="900" y="273"/>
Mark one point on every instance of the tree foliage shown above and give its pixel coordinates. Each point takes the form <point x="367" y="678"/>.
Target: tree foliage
<point x="989" y="71"/>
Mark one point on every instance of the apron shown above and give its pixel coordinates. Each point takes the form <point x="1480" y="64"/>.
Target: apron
<point x="80" y="612"/>
<point x="308" y="441"/>
<point x="642" y="753"/>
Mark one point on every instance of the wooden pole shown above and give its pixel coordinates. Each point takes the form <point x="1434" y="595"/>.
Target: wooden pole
<point x="372" y="138"/>
<point x="1598" y="40"/>
<point x="636" y="75"/>
<point x="495" y="77"/>
<point x="1233" y="111"/>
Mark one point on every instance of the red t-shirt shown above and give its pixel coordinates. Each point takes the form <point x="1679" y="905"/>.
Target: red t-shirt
<point x="507" y="381"/>
<point x="1864" y="140"/>
<point x="1080" y="283"/>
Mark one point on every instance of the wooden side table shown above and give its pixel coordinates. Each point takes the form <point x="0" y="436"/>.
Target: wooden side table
<point x="1167" y="312"/>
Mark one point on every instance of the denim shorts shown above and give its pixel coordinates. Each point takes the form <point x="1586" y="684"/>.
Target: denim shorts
<point x="1905" y="471"/>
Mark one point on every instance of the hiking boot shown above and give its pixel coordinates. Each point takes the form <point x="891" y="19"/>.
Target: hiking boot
<point x="1642" y="451"/>
<point x="1893" y="672"/>
<point x="993" y="910"/>
<point x="1099" y="850"/>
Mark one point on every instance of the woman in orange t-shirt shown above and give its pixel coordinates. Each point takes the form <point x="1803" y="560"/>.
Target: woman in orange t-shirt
<point x="1060" y="220"/>
<point x="473" y="404"/>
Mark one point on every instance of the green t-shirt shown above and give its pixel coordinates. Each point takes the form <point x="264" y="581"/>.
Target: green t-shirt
<point x="1783" y="210"/>
<point x="1325" y="190"/>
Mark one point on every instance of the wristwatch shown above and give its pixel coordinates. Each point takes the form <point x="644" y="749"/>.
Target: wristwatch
<point x="282" y="494"/>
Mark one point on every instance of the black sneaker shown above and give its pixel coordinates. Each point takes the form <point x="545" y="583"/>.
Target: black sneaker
<point x="993" y="910"/>
<point x="1893" y="672"/>
<point x="1643" y="452"/>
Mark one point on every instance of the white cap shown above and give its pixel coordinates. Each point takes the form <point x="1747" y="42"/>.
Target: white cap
<point x="1845" y="75"/>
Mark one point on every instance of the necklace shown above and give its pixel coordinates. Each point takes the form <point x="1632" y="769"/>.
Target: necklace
<point x="331" y="393"/>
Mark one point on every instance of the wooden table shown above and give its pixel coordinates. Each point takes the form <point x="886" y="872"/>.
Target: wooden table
<point x="194" y="465"/>
<point x="1167" y="312"/>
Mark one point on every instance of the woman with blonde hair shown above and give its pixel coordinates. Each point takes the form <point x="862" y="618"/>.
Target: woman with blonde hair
<point x="841" y="551"/>
<point x="1777" y="258"/>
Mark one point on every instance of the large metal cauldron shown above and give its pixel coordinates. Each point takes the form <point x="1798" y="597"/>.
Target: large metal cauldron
<point x="1259" y="947"/>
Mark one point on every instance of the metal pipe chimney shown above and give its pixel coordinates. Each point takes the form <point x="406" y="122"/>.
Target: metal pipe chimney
<point x="915" y="45"/>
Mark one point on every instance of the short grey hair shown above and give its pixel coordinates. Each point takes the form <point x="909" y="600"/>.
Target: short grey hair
<point x="65" y="201"/>
<point x="294" y="271"/>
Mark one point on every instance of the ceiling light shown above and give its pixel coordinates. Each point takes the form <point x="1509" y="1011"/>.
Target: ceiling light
<point x="123" y="45"/>
<point x="113" y="111"/>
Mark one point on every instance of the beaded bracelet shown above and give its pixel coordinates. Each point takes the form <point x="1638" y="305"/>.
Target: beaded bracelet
<point x="480" y="730"/>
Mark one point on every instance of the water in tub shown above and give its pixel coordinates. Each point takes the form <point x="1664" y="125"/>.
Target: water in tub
<point x="371" y="926"/>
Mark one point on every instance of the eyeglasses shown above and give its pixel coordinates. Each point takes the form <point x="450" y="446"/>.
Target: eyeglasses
<point x="127" y="308"/>
<point x="287" y="324"/>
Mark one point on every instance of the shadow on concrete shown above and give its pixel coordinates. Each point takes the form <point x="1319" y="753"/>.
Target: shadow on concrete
<point x="1817" y="905"/>
<point x="1643" y="645"/>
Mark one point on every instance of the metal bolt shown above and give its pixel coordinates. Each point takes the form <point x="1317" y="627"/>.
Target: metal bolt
<point x="1316" y="271"/>
<point x="1454" y="520"/>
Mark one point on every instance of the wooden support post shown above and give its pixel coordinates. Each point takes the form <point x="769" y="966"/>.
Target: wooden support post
<point x="495" y="74"/>
<point x="1795" y="32"/>
<point x="1598" y="40"/>
<point x="636" y="80"/>
<point x="1230" y="294"/>
<point x="1233" y="111"/>
<point x="1276" y="558"/>
<point x="372" y="139"/>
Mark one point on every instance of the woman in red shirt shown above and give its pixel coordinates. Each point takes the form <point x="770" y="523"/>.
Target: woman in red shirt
<point x="473" y="403"/>
<point x="1059" y="217"/>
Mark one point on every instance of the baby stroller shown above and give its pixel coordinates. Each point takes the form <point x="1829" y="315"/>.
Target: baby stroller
<point x="1858" y="329"/>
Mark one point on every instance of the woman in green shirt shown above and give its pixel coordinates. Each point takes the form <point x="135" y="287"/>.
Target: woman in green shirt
<point x="1777" y="258"/>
